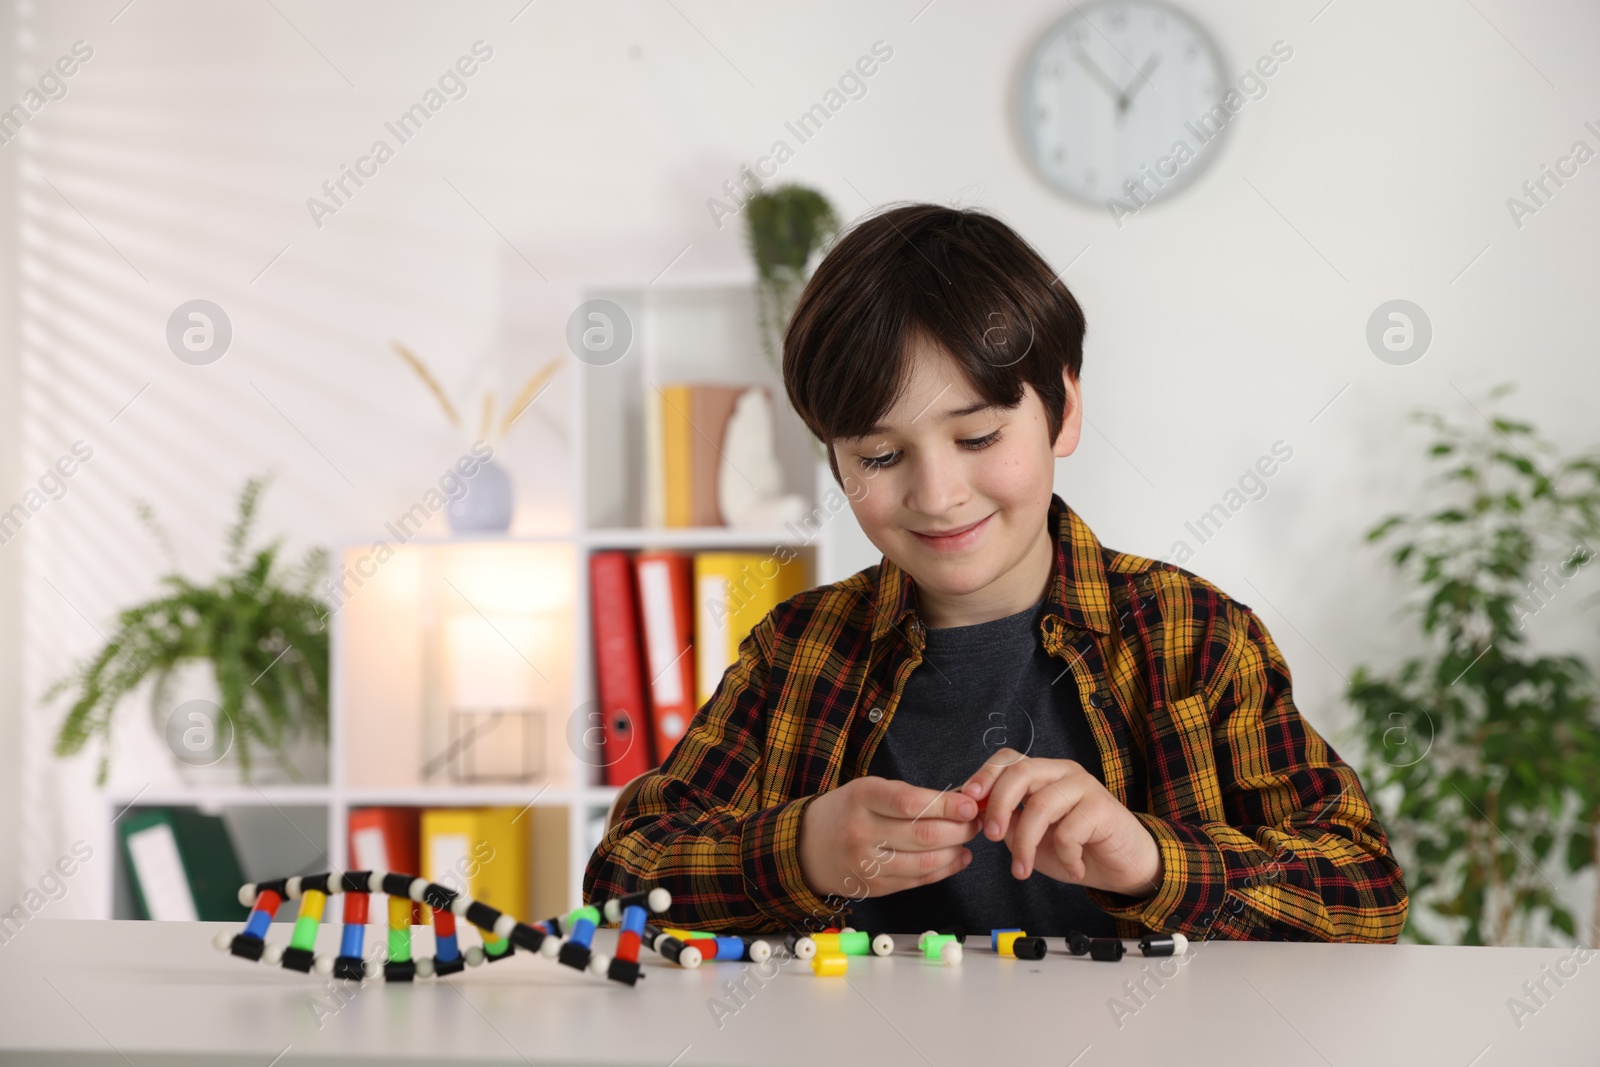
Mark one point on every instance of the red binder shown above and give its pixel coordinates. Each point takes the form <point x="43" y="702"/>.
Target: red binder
<point x="385" y="839"/>
<point x="619" y="671"/>
<point x="666" y="610"/>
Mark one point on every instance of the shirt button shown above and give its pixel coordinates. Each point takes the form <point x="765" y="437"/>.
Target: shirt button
<point x="875" y="715"/>
<point x="1094" y="700"/>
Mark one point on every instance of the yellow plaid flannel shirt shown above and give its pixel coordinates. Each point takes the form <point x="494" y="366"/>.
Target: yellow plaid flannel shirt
<point x="1264" y="832"/>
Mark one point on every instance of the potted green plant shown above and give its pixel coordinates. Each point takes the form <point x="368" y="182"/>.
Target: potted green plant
<point x="785" y="228"/>
<point x="257" y="627"/>
<point x="1485" y="755"/>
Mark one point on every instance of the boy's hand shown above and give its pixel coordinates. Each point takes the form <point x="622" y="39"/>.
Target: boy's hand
<point x="1070" y="827"/>
<point x="875" y="836"/>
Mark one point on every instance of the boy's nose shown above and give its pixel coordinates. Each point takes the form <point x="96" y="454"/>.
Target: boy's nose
<point x="936" y="492"/>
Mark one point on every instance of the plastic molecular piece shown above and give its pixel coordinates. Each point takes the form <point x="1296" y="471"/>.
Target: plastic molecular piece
<point x="1028" y="948"/>
<point x="950" y="953"/>
<point x="575" y="951"/>
<point x="830" y="964"/>
<point x="1163" y="944"/>
<point x="1005" y="939"/>
<point x="1109" y="949"/>
<point x="756" y="950"/>
<point x="934" y="944"/>
<point x="396" y="959"/>
<point x="994" y="935"/>
<point x="1077" y="942"/>
<point x="625" y="967"/>
<point x="882" y="945"/>
<point x="802" y="947"/>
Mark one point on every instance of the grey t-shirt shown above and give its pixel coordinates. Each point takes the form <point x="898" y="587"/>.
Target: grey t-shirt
<point x="979" y="689"/>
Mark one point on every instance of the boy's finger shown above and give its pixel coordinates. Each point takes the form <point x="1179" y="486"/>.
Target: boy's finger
<point x="983" y="779"/>
<point x="1014" y="788"/>
<point x="1044" y="809"/>
<point x="900" y="800"/>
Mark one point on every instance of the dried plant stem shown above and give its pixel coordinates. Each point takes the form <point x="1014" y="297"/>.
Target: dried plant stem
<point x="528" y="394"/>
<point x="428" y="380"/>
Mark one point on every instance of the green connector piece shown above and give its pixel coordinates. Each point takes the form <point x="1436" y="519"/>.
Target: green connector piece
<point x="400" y="945"/>
<point x="305" y="933"/>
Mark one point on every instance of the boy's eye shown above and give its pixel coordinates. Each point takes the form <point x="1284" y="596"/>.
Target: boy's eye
<point x="975" y="443"/>
<point x="888" y="459"/>
<point x="879" y="462"/>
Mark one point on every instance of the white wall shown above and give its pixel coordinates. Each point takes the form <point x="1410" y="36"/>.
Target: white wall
<point x="1377" y="167"/>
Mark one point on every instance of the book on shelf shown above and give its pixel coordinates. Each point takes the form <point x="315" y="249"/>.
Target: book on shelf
<point x="667" y="625"/>
<point x="666" y="610"/>
<point x="625" y="738"/>
<point x="181" y="865"/>
<point x="694" y="422"/>
<point x="733" y="591"/>
<point x="385" y="839"/>
<point x="483" y="852"/>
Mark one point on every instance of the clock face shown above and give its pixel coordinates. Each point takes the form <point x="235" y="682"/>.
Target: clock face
<point x="1109" y="92"/>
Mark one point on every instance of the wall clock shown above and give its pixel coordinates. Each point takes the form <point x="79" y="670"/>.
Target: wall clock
<point x="1107" y="93"/>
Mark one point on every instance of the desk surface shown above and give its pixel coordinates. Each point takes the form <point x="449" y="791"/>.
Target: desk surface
<point x="147" y="992"/>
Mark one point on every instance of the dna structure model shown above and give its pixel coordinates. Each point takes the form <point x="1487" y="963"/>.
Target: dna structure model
<point x="567" y="940"/>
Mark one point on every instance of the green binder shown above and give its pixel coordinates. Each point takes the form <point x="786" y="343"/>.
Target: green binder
<point x="181" y="864"/>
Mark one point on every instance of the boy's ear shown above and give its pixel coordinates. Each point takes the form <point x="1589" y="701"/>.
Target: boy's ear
<point x="1072" y="417"/>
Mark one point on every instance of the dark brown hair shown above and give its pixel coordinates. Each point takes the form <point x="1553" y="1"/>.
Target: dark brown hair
<point x="960" y="279"/>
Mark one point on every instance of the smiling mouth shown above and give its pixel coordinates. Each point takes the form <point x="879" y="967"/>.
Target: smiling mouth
<point x="952" y="537"/>
<point x="953" y="531"/>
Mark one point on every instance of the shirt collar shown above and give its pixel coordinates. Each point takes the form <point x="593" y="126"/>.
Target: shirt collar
<point x="1078" y="590"/>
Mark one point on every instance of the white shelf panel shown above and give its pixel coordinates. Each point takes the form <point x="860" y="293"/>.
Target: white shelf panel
<point x="503" y="796"/>
<point x="222" y="796"/>
<point x="711" y="537"/>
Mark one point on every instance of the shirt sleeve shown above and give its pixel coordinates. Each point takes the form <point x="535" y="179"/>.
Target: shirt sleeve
<point x="697" y="826"/>
<point x="1299" y="854"/>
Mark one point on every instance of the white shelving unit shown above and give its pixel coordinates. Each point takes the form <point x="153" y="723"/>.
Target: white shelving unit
<point x="691" y="327"/>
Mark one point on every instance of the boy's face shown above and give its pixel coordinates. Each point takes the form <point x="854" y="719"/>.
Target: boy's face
<point x="982" y="479"/>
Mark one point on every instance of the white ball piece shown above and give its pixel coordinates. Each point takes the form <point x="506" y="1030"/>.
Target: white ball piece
<point x="924" y="937"/>
<point x="804" y="948"/>
<point x="599" y="963"/>
<point x="460" y="904"/>
<point x="323" y="965"/>
<point x="334" y="878"/>
<point x="504" y="925"/>
<point x="292" y="888"/>
<point x="223" y="941"/>
<point x="372" y="967"/>
<point x="950" y="955"/>
<point x="272" y="954"/>
<point x="417" y="888"/>
<point x="760" y="951"/>
<point x="690" y="957"/>
<point x="847" y="929"/>
<point x="474" y="955"/>
<point x="658" y="901"/>
<point x="882" y="945"/>
<point x="247" y="894"/>
<point x="550" y="947"/>
<point x="612" y="910"/>
<point x="425" y="967"/>
<point x="1180" y="944"/>
<point x="375" y="881"/>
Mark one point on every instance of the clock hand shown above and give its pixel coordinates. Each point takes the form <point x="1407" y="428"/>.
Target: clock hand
<point x="1098" y="75"/>
<point x="1143" y="78"/>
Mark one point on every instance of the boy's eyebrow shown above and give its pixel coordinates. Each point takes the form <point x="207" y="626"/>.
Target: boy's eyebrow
<point x="946" y="416"/>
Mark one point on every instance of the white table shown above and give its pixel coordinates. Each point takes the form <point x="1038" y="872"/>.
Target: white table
<point x="146" y="993"/>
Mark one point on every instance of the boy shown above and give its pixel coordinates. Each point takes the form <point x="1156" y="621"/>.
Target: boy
<point x="1002" y="724"/>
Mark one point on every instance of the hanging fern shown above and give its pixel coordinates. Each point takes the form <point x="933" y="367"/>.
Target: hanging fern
<point x="783" y="228"/>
